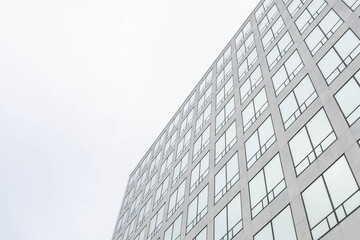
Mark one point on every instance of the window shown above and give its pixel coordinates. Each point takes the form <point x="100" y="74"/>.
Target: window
<point x="225" y="114"/>
<point x="176" y="199"/>
<point x="120" y="223"/>
<point x="223" y="74"/>
<point x="224" y="92"/>
<point x="339" y="56"/>
<point x="199" y="172"/>
<point x="156" y="222"/>
<point x="245" y="47"/>
<point x="174" y="231"/>
<point x="263" y="7"/>
<point x="279" y="228"/>
<point x="348" y="98"/>
<point x="201" y="142"/>
<point x="353" y="4"/>
<point x="174" y="123"/>
<point x="149" y="186"/>
<point x="228" y="222"/>
<point x="254" y="109"/>
<point x="129" y="230"/>
<point x="260" y="141"/>
<point x="287" y="72"/>
<point x="279" y="50"/>
<point x="144" y="213"/>
<point x="146" y="160"/>
<point x="133" y="177"/>
<point x="170" y="142"/>
<point x="141" y="235"/>
<point x="161" y="191"/>
<point x="226" y="177"/>
<point x="331" y="198"/>
<point x="180" y="168"/>
<point x="140" y="182"/>
<point x="128" y="197"/>
<point x="154" y="163"/>
<point x="298" y="100"/>
<point x="186" y="122"/>
<point x="197" y="209"/>
<point x="202" y="235"/>
<point x="225" y="142"/>
<point x="166" y="165"/>
<point x="223" y="59"/>
<point x="247" y="64"/>
<point x="268" y="18"/>
<point x="190" y="102"/>
<point x="323" y="31"/>
<point x="294" y="6"/>
<point x="250" y="84"/>
<point x="202" y="119"/>
<point x="274" y="31"/>
<point x="311" y="141"/>
<point x="206" y="81"/>
<point x="309" y="14"/>
<point x="204" y="98"/>
<point x="243" y="33"/>
<point x="266" y="185"/>
<point x="134" y="205"/>
<point x="184" y="142"/>
<point x="159" y="143"/>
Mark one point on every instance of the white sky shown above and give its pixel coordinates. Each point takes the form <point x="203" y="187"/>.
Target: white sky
<point x="85" y="88"/>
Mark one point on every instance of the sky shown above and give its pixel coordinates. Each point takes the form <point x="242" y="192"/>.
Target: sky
<point x="85" y="89"/>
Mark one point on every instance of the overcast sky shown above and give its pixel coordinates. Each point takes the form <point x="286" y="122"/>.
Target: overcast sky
<point x="85" y="88"/>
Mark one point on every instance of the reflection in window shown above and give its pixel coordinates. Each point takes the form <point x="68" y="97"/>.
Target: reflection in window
<point x="294" y="6"/>
<point x="202" y="119"/>
<point x="180" y="168"/>
<point x="202" y="235"/>
<point x="223" y="74"/>
<point x="262" y="9"/>
<point x="331" y="198"/>
<point x="204" y="99"/>
<point x="201" y="142"/>
<point x="228" y="222"/>
<point x="186" y="122"/>
<point x="197" y="208"/>
<point x="248" y="63"/>
<point x="225" y="142"/>
<point x="281" y="227"/>
<point x="189" y="103"/>
<point x="243" y="33"/>
<point x="353" y="4"/>
<point x="144" y="213"/>
<point x="311" y="141"/>
<point x="287" y="72"/>
<point x="224" y="92"/>
<point x="161" y="191"/>
<point x="205" y="82"/>
<point x="323" y="31"/>
<point x="250" y="84"/>
<point x="174" y="231"/>
<point x="199" y="172"/>
<point x="223" y="59"/>
<point x="274" y="31"/>
<point x="260" y="141"/>
<point x="279" y="50"/>
<point x="176" y="199"/>
<point x="149" y="186"/>
<point x="166" y="165"/>
<point x="339" y="56"/>
<point x="266" y="185"/>
<point x="253" y="110"/>
<point x="184" y="142"/>
<point x="156" y="222"/>
<point x="225" y="114"/>
<point x="297" y="101"/>
<point x="226" y="177"/>
<point x="309" y="14"/>
<point x="129" y="230"/>
<point x="245" y="47"/>
<point x="348" y="98"/>
<point x="268" y="18"/>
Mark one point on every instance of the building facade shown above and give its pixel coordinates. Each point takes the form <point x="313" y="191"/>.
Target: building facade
<point x="266" y="146"/>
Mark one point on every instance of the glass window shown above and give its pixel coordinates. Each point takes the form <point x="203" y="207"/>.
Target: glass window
<point x="159" y="143"/>
<point x="226" y="177"/>
<point x="204" y="98"/>
<point x="348" y="98"/>
<point x="184" y="142"/>
<point x="140" y="182"/>
<point x="268" y="18"/>
<point x="273" y="32"/>
<point x="202" y="119"/>
<point x="146" y="161"/>
<point x="224" y="74"/>
<point x="129" y="230"/>
<point x="260" y="141"/>
<point x="199" y="172"/>
<point x="225" y="142"/>
<point x="311" y="141"/>
<point x="228" y="222"/>
<point x="201" y="143"/>
<point x="323" y="31"/>
<point x="154" y="163"/>
<point x="189" y="103"/>
<point x="141" y="235"/>
<point x="176" y="199"/>
<point x="180" y="168"/>
<point x="309" y="14"/>
<point x="149" y="186"/>
<point x="174" y="124"/>
<point x="266" y="185"/>
<point x="331" y="198"/>
<point x="170" y="143"/>
<point x="144" y="213"/>
<point x="297" y="101"/>
<point x="202" y="235"/>
<point x="287" y="72"/>
<point x="224" y="92"/>
<point x="174" y="231"/>
<point x="245" y="47"/>
<point x="166" y="165"/>
<point x="294" y="6"/>
<point x="254" y="109"/>
<point x="161" y="191"/>
<point x="205" y="82"/>
<point x="197" y="209"/>
<point x="223" y="59"/>
<point x="262" y="9"/>
<point x="156" y="222"/>
<point x="133" y="177"/>
<point x="120" y="223"/>
<point x="186" y="122"/>
<point x="339" y="56"/>
<point x="225" y="114"/>
<point x="243" y="33"/>
<point x="250" y="84"/>
<point x="134" y="205"/>
<point x="353" y="4"/>
<point x="279" y="50"/>
<point x="281" y="227"/>
<point x="248" y="63"/>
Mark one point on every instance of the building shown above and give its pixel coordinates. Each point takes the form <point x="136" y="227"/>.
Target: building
<point x="266" y="146"/>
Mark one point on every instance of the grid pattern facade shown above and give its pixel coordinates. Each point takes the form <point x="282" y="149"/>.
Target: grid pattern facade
<point x="267" y="144"/>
